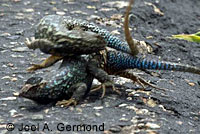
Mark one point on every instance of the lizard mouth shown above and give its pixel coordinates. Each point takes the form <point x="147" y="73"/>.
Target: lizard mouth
<point x="25" y="89"/>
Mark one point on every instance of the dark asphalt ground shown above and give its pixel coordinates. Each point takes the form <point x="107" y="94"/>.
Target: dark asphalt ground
<point x="174" y="111"/>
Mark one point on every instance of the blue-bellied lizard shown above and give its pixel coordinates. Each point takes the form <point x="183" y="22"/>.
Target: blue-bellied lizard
<point x="71" y="82"/>
<point x="112" y="61"/>
<point x="65" y="36"/>
<point x="74" y="78"/>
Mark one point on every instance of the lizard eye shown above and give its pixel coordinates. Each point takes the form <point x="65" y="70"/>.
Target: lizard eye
<point x="25" y="89"/>
<point x="34" y="80"/>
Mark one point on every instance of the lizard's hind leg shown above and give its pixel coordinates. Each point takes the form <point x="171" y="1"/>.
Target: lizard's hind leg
<point x="102" y="76"/>
<point x="130" y="75"/>
<point x="103" y="87"/>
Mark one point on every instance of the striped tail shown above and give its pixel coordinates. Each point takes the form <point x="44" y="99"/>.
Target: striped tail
<point x="111" y="40"/>
<point x="119" y="61"/>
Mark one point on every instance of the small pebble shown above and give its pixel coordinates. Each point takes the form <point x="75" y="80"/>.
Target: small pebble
<point x="8" y="99"/>
<point x="37" y="117"/>
<point x="12" y="112"/>
<point x="19" y="49"/>
<point x="115" y="129"/>
<point x="97" y="114"/>
<point x="98" y="108"/>
<point x="152" y="125"/>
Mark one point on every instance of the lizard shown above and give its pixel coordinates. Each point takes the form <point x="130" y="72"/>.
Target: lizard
<point x="118" y="63"/>
<point x="54" y="35"/>
<point x="113" y="62"/>
<point x="68" y="84"/>
<point x="72" y="81"/>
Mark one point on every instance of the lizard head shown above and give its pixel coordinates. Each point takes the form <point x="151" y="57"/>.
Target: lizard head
<point x="31" y="88"/>
<point x="31" y="91"/>
<point x="34" y="90"/>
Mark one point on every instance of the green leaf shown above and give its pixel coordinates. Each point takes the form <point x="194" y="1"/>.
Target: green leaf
<point x="189" y="37"/>
<point x="198" y="33"/>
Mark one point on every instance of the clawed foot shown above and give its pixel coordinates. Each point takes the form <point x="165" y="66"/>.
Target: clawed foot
<point x="28" y="42"/>
<point x="103" y="86"/>
<point x="34" y="67"/>
<point x="67" y="103"/>
<point x="143" y="82"/>
<point x="46" y="63"/>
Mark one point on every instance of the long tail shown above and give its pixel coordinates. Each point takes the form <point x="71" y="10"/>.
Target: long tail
<point x="117" y="60"/>
<point x="132" y="44"/>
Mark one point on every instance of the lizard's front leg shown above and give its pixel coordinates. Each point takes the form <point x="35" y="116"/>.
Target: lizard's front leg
<point x="102" y="76"/>
<point x="46" y="63"/>
<point x="45" y="46"/>
<point x="79" y="90"/>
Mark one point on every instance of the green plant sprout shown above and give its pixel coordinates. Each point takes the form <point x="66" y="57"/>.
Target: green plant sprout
<point x="189" y="37"/>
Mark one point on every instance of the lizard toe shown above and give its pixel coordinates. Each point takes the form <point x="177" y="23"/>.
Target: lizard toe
<point x="67" y="103"/>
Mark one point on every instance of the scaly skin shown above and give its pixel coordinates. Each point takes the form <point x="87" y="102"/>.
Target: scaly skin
<point x="53" y="37"/>
<point x="117" y="61"/>
<point x="68" y="84"/>
<point x="55" y="32"/>
<point x="61" y="44"/>
<point x="112" y="61"/>
<point x="59" y="30"/>
<point x="66" y="36"/>
<point x="71" y="80"/>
